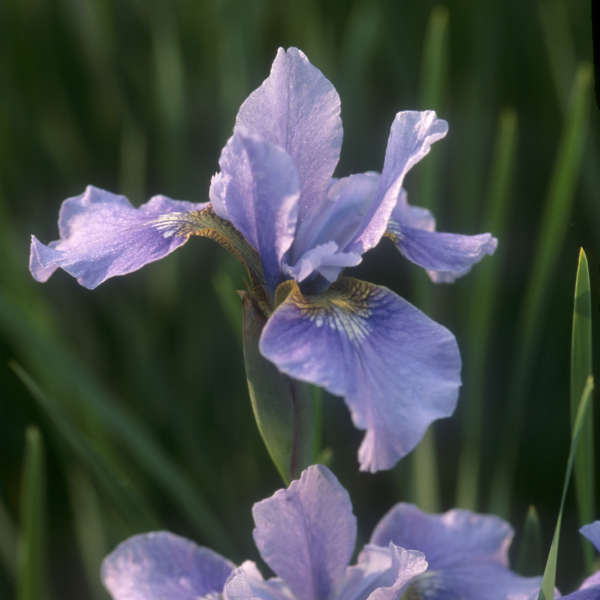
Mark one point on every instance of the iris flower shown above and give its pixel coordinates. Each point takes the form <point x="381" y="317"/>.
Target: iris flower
<point x="276" y="206"/>
<point x="306" y="534"/>
<point x="467" y="554"/>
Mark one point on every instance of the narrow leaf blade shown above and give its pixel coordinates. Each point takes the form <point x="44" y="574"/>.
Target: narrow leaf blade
<point x="581" y="367"/>
<point x="425" y="487"/>
<point x="529" y="559"/>
<point x="552" y="232"/>
<point x="549" y="579"/>
<point x="482" y="303"/>
<point x="132" y="507"/>
<point x="32" y="560"/>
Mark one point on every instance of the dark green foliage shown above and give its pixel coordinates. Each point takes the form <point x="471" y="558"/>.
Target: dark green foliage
<point x="146" y="373"/>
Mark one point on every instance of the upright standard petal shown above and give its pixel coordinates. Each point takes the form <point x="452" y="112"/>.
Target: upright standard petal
<point x="348" y="201"/>
<point x="298" y="109"/>
<point x="306" y="533"/>
<point x="411" y="136"/>
<point x="397" y="369"/>
<point x="446" y="256"/>
<point x="257" y="190"/>
<point x="102" y="235"/>
<point x="155" y="566"/>
<point x="454" y="538"/>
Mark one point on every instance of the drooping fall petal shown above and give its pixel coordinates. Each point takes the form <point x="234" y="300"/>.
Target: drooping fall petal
<point x="159" y="565"/>
<point x="102" y="235"/>
<point x="397" y="369"/>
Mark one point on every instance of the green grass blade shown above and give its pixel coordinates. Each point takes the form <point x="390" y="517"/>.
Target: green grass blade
<point x="89" y="528"/>
<point x="8" y="542"/>
<point x="425" y="474"/>
<point x="33" y="584"/>
<point x="481" y="307"/>
<point x="433" y="78"/>
<point x="132" y="506"/>
<point x="561" y="51"/>
<point x="317" y="422"/>
<point x="425" y="477"/>
<point x="581" y="367"/>
<point x="435" y="52"/>
<point x="93" y="404"/>
<point x="549" y="579"/>
<point x="529" y="558"/>
<point x="550" y="241"/>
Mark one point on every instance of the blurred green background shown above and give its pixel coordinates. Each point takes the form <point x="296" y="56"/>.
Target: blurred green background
<point x="138" y="388"/>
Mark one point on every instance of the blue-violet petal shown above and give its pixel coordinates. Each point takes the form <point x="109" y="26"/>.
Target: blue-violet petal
<point x="159" y="565"/>
<point x="397" y="369"/>
<point x="257" y="190"/>
<point x="306" y="533"/>
<point x="102" y="235"/>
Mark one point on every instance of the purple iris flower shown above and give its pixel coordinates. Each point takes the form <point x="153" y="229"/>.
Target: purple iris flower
<point x="467" y="554"/>
<point x="306" y="534"/>
<point x="275" y="205"/>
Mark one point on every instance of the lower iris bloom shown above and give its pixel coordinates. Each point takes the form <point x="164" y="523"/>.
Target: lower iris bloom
<point x="276" y="206"/>
<point x="306" y="534"/>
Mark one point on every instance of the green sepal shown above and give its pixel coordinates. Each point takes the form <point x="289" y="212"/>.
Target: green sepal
<point x="282" y="406"/>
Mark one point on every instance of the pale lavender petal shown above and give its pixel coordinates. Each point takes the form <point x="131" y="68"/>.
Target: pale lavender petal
<point x="257" y="190"/>
<point x="592" y="581"/>
<point x="468" y="582"/>
<point x="411" y="136"/>
<point x="372" y="570"/>
<point x="246" y="583"/>
<point x="448" y="540"/>
<point x="397" y="369"/>
<point x="348" y="201"/>
<point x="587" y="593"/>
<point x="102" y="235"/>
<point x="590" y="588"/>
<point x="412" y="216"/>
<point x="382" y="571"/>
<point x="298" y="109"/>
<point x="406" y="565"/>
<point x="306" y="533"/>
<point x="324" y="259"/>
<point x="592" y="532"/>
<point x="159" y="565"/>
<point x="446" y="256"/>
